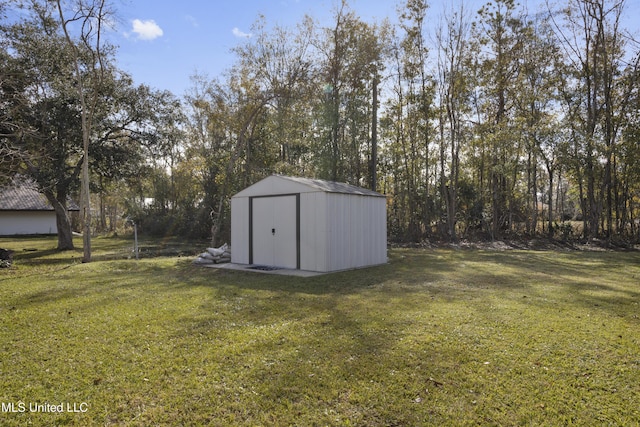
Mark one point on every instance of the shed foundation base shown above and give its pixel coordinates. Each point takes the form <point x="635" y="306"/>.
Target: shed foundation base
<point x="252" y="269"/>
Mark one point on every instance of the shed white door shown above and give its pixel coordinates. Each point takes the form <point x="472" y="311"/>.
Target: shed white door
<point x="274" y="225"/>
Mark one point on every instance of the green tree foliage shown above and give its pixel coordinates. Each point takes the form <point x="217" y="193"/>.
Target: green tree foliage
<point x="455" y="56"/>
<point x="602" y="76"/>
<point x="502" y="39"/>
<point x="46" y="138"/>
<point x="491" y="124"/>
<point x="408" y="126"/>
<point x="350" y="59"/>
<point x="484" y="131"/>
<point x="42" y="134"/>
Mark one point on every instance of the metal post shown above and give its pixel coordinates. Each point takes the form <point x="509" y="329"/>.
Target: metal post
<point x="135" y="237"/>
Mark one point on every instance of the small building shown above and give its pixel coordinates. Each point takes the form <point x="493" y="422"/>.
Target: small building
<point x="26" y="211"/>
<point x="308" y="224"/>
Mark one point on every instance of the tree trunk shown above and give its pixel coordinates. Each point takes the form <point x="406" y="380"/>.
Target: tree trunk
<point x="65" y="234"/>
<point x="374" y="137"/>
<point x="85" y="205"/>
<point x="63" y="223"/>
<point x="550" y="170"/>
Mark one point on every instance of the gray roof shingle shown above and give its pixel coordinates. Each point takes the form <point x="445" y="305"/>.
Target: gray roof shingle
<point x="24" y="196"/>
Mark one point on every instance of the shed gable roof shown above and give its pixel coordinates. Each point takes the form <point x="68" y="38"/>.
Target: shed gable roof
<point x="23" y="196"/>
<point x="281" y="184"/>
<point x="334" y="187"/>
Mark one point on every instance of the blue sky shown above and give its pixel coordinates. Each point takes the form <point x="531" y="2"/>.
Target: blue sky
<point x="163" y="43"/>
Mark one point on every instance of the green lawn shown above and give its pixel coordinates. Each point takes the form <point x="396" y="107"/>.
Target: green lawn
<point x="436" y="337"/>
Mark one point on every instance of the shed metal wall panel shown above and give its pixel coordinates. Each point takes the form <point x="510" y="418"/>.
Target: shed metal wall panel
<point x="378" y="231"/>
<point x="357" y="235"/>
<point x="240" y="230"/>
<point x="343" y="231"/>
<point x="313" y="232"/>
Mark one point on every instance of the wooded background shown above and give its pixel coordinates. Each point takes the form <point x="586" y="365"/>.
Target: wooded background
<point x="494" y="123"/>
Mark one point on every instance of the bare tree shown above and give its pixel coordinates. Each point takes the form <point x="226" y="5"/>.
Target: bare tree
<point x="454" y="52"/>
<point x="90" y="16"/>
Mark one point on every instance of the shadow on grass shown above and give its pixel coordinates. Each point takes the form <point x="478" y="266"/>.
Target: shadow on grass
<point x="354" y="341"/>
<point x="595" y="281"/>
<point x="414" y="276"/>
<point x="602" y="281"/>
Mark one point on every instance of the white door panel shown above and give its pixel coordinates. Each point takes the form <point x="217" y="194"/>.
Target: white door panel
<point x="274" y="231"/>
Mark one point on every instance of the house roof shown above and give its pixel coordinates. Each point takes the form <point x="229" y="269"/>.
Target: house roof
<point x="281" y="184"/>
<point x="24" y="196"/>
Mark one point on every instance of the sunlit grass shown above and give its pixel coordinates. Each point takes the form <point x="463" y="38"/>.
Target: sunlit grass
<point x="437" y="337"/>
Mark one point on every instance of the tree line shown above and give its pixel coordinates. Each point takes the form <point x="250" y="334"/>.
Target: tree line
<point x="486" y="124"/>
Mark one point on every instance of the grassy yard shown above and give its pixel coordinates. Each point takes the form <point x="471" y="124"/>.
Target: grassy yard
<point x="436" y="337"/>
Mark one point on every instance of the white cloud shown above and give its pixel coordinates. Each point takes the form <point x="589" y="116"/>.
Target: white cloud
<point x="147" y="30"/>
<point x="193" y="21"/>
<point x="236" y="32"/>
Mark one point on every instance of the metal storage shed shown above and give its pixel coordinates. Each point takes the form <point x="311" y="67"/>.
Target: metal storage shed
<point x="308" y="224"/>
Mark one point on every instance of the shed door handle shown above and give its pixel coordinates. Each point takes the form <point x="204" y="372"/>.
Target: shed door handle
<point x="273" y="231"/>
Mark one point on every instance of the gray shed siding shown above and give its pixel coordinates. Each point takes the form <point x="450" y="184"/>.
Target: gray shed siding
<point x="313" y="232"/>
<point x="339" y="226"/>
<point x="240" y="230"/>
<point x="357" y="231"/>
